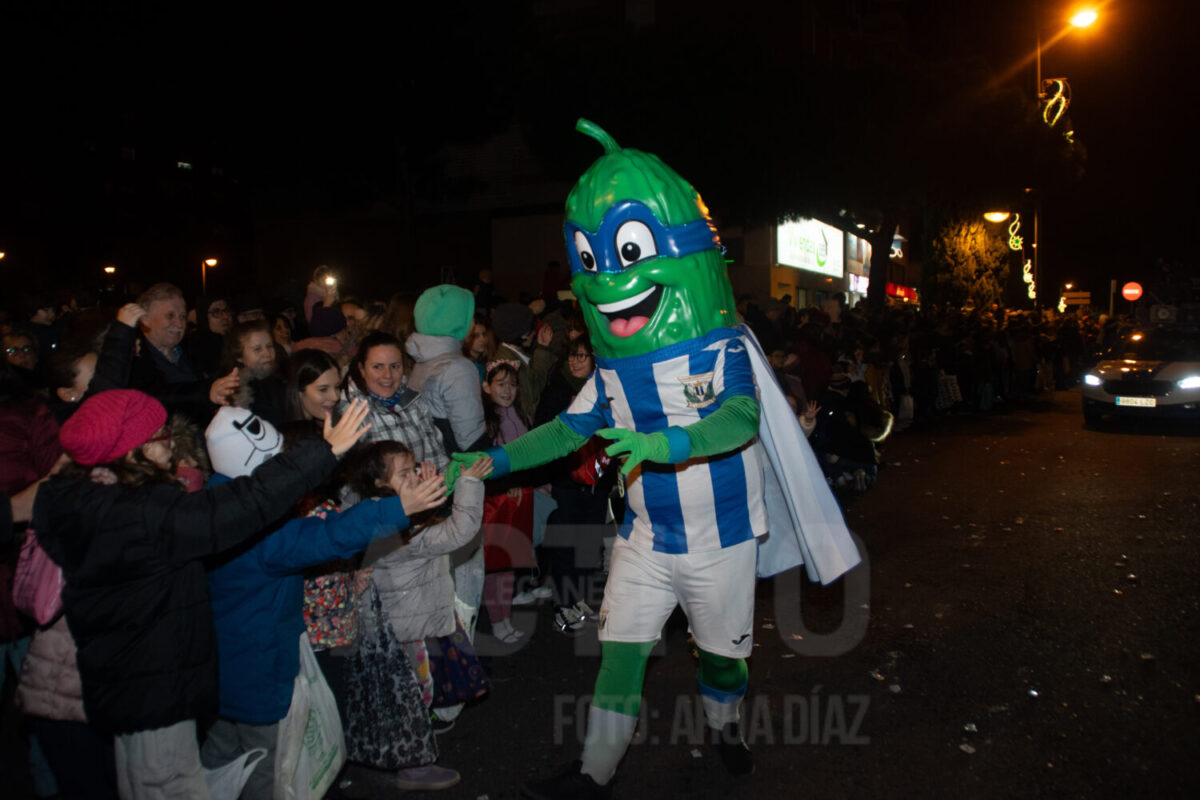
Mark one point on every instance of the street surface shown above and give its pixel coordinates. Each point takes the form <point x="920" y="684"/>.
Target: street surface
<point x="1031" y="632"/>
<point x="1025" y="626"/>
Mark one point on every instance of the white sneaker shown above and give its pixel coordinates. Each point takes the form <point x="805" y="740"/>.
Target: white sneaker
<point x="524" y="599"/>
<point x="505" y="632"/>
<point x="543" y="593"/>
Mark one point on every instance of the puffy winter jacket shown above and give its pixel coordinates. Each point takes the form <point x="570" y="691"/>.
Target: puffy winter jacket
<point x="414" y="579"/>
<point x="449" y="384"/>
<point x="258" y="597"/>
<point x="49" y="685"/>
<point x="136" y="598"/>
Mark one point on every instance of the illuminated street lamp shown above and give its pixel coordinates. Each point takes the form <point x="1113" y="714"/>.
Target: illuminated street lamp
<point x="204" y="265"/>
<point x="110" y="270"/>
<point x="2" y="254"/>
<point x="1080" y="19"/>
<point x="996" y="216"/>
<point x="1084" y="18"/>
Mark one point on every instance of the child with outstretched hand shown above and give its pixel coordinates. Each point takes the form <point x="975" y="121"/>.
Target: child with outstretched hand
<point x="411" y="575"/>
<point x="136" y="599"/>
<point x="258" y="593"/>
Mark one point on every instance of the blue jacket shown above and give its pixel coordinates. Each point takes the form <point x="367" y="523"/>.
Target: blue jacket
<point x="257" y="602"/>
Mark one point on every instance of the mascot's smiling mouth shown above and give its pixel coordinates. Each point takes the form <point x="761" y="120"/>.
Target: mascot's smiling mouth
<point x="627" y="317"/>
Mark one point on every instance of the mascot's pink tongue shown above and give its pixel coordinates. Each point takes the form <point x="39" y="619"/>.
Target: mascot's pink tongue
<point x="627" y="327"/>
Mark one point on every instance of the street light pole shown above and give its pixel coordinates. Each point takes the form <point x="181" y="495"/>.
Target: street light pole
<point x="204" y="265"/>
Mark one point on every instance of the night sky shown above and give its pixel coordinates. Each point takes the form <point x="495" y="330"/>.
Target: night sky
<point x="318" y="107"/>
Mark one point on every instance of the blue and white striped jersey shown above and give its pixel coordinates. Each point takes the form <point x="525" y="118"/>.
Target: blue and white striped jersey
<point x="704" y="503"/>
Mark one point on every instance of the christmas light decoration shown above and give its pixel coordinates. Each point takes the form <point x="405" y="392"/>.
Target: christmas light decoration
<point x="1058" y="97"/>
<point x="1015" y="242"/>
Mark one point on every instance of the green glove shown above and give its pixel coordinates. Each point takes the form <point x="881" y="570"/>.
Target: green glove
<point x="451" y="475"/>
<point x="637" y="447"/>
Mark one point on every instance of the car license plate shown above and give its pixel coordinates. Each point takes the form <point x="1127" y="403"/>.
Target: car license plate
<point x="1145" y="402"/>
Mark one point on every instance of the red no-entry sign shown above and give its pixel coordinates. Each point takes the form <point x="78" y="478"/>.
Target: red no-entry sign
<point x="1131" y="291"/>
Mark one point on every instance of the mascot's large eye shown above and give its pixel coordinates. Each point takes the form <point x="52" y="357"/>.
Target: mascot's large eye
<point x="635" y="242"/>
<point x="585" y="252"/>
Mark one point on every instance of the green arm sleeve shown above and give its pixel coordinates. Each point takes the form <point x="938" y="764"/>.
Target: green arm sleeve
<point x="542" y="445"/>
<point x="726" y="429"/>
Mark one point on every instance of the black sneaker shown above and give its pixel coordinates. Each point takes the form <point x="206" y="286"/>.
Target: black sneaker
<point x="732" y="749"/>
<point x="571" y="784"/>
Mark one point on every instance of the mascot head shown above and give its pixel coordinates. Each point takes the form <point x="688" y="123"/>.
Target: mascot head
<point x="646" y="261"/>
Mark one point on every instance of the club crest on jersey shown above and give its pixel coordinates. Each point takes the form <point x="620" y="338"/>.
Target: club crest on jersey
<point x="698" y="390"/>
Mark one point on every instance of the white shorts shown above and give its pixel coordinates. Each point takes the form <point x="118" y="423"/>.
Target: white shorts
<point x="715" y="589"/>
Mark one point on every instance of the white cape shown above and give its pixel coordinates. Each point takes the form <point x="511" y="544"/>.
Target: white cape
<point x="804" y="519"/>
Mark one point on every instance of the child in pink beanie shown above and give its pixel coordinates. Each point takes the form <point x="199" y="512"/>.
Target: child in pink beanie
<point x="136" y="598"/>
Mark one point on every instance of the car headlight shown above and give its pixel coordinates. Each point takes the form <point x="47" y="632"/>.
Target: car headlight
<point x="1190" y="382"/>
<point x="1092" y="380"/>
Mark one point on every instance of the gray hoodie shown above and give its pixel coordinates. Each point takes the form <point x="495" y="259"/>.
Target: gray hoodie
<point x="449" y="383"/>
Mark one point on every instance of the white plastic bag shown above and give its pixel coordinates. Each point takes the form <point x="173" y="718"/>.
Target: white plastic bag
<point x="226" y="782"/>
<point x="311" y="748"/>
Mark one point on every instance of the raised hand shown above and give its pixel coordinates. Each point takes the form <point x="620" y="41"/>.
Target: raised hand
<point x="480" y="469"/>
<point x="810" y="410"/>
<point x="458" y="463"/>
<point x="222" y="389"/>
<point x="429" y="493"/>
<point x="130" y="313"/>
<point x="349" y="429"/>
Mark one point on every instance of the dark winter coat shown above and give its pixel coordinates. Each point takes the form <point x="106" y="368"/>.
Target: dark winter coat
<point x="136" y="598"/>
<point x="177" y="386"/>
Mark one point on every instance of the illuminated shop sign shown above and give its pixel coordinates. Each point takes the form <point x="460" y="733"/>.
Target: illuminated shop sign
<point x="812" y="246"/>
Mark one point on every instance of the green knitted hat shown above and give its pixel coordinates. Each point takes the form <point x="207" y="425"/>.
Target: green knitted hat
<point x="445" y="311"/>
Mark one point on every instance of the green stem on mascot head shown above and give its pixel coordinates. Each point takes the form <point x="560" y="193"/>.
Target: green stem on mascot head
<point x="599" y="134"/>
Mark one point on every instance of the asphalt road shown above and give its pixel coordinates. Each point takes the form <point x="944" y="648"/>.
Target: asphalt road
<point x="1029" y="629"/>
<point x="1025" y="625"/>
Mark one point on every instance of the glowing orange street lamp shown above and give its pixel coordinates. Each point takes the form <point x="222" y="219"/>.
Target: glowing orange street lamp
<point x="110" y="270"/>
<point x="996" y="216"/>
<point x="1083" y="18"/>
<point x="204" y="265"/>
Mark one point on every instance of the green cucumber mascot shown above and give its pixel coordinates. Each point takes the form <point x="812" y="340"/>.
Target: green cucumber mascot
<point x="679" y="388"/>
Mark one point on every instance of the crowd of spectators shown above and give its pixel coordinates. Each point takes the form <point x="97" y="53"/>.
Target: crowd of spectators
<point x="447" y="370"/>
